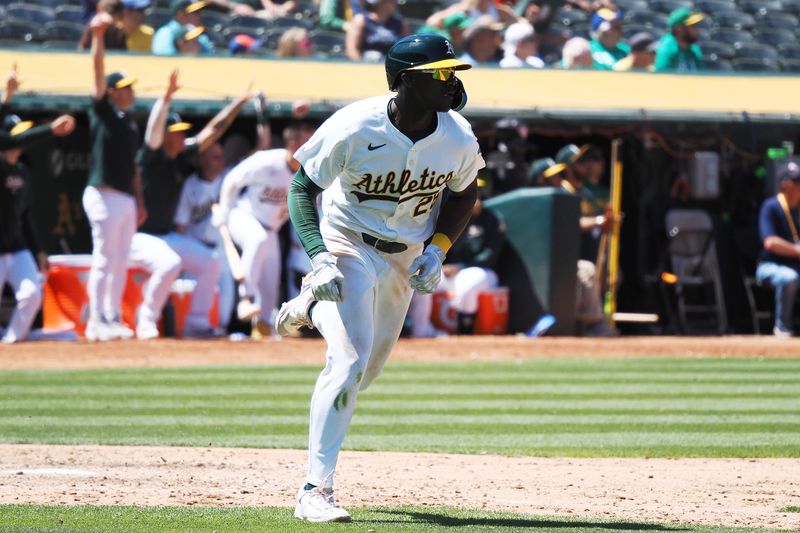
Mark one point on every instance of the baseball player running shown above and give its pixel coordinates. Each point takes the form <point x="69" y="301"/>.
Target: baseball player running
<point x="157" y="248"/>
<point x="397" y="171"/>
<point x="112" y="198"/>
<point x="257" y="216"/>
<point x="19" y="246"/>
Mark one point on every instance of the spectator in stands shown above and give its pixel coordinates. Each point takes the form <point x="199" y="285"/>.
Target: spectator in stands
<point x="335" y="15"/>
<point x="370" y="34"/>
<point x="139" y="36"/>
<point x="184" y="13"/>
<point x="678" y="49"/>
<point x="482" y="41"/>
<point x="452" y="29"/>
<point x="187" y="40"/>
<point x="266" y="9"/>
<point x="243" y="44"/>
<point x="591" y="168"/>
<point x="577" y="53"/>
<point x="114" y="37"/>
<point x="643" y="53"/>
<point x="19" y="246"/>
<point x="779" y="264"/>
<point x="295" y="42"/>
<point x="112" y="198"/>
<point x="474" y="9"/>
<point x="520" y="47"/>
<point x="607" y="44"/>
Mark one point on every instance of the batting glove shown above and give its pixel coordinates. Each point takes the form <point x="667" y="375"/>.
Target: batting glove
<point x="326" y="279"/>
<point x="219" y="216"/>
<point x="426" y="270"/>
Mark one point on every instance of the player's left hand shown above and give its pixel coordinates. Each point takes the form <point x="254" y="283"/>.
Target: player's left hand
<point x="426" y="270"/>
<point x="326" y="278"/>
<point x="63" y="125"/>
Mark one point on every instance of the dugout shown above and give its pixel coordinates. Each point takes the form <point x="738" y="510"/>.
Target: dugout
<point x="662" y="119"/>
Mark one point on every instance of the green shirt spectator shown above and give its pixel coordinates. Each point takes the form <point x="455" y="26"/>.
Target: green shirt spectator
<point x="678" y="50"/>
<point x="453" y="29"/>
<point x="604" y="59"/>
<point x="607" y="46"/>
<point x="335" y="14"/>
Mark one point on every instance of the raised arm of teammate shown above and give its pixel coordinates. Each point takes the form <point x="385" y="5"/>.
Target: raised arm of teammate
<point x="156" y="123"/>
<point x="222" y="121"/>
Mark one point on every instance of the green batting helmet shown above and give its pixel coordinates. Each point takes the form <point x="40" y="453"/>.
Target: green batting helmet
<point x="418" y="52"/>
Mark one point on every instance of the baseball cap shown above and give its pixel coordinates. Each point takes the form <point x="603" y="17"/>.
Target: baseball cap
<point x="186" y="5"/>
<point x="136" y="4"/>
<point x="643" y="41"/>
<point x="242" y="42"/>
<point x="546" y="167"/>
<point x="119" y="80"/>
<point x="602" y="19"/>
<point x="482" y="23"/>
<point x="571" y="153"/>
<point x="516" y="33"/>
<point x="789" y="170"/>
<point x="14" y="125"/>
<point x="683" y="16"/>
<point x="458" y="20"/>
<point x="174" y="123"/>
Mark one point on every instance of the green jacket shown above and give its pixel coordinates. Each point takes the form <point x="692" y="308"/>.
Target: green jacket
<point x="604" y="59"/>
<point x="670" y="56"/>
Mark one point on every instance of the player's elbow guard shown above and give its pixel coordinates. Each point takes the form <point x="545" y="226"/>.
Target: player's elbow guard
<point x="460" y="98"/>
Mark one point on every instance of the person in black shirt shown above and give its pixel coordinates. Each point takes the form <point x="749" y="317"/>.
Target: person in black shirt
<point x="157" y="247"/>
<point x="110" y="198"/>
<point x="18" y="242"/>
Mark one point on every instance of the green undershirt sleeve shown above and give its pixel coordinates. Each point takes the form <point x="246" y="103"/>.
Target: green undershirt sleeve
<point x="303" y="211"/>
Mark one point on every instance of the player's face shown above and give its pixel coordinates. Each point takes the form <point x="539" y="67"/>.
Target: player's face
<point x="174" y="142"/>
<point x="212" y="161"/>
<point x="434" y="88"/>
<point x="123" y="98"/>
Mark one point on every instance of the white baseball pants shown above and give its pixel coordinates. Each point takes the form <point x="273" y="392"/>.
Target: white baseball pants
<point x="154" y="255"/>
<point x="112" y="216"/>
<point x="468" y="284"/>
<point x="261" y="261"/>
<point x="360" y="332"/>
<point x="19" y="269"/>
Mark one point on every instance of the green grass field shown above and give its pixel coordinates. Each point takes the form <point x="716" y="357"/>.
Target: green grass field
<point x="51" y="519"/>
<point x="581" y="408"/>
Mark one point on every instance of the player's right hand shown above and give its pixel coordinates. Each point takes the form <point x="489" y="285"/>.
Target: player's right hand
<point x="101" y="21"/>
<point x="326" y="279"/>
<point x="219" y="216"/>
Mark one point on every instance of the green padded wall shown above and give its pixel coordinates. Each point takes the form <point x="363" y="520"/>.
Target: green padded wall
<point x="539" y="261"/>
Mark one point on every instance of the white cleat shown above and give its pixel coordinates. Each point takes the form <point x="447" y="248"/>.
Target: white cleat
<point x="120" y="330"/>
<point x="293" y="314"/>
<point x="98" y="331"/>
<point x="317" y="505"/>
<point x="247" y="310"/>
<point x="146" y="331"/>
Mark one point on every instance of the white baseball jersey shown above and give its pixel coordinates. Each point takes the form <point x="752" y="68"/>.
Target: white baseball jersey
<point x="267" y="176"/>
<point x="194" y="207"/>
<point x="377" y="180"/>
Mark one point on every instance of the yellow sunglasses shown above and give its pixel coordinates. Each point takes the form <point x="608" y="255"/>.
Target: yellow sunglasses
<point x="440" y="74"/>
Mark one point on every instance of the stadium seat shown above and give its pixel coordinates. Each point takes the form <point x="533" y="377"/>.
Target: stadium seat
<point x="414" y="24"/>
<point x="19" y="30"/>
<point x="69" y="14"/>
<point x="668" y="6"/>
<point x="760" y="7"/>
<point x="628" y="5"/>
<point x="291" y="22"/>
<point x="790" y="64"/>
<point x="59" y="45"/>
<point x="63" y="31"/>
<point x="31" y="13"/>
<point x="649" y="19"/>
<point x="157" y="17"/>
<point x="717" y="63"/>
<point x="255" y="24"/>
<point x="328" y="42"/>
<point x="775" y="37"/>
<point x="217" y="39"/>
<point x="718" y="49"/>
<point x="256" y="33"/>
<point x="420" y="9"/>
<point x="791" y="6"/>
<point x="730" y="36"/>
<point x="570" y="18"/>
<point x="784" y="21"/>
<point x="756" y="51"/>
<point x="712" y="7"/>
<point x="214" y="19"/>
<point x="735" y="20"/>
<point x="629" y="30"/>
<point x="789" y="50"/>
<point x="753" y="64"/>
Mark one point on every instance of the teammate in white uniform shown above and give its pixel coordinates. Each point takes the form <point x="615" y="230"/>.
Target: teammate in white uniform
<point x="385" y="164"/>
<point x="255" y="217"/>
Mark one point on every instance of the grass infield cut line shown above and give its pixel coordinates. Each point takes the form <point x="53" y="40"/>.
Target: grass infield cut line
<point x="790" y="509"/>
<point x="579" y="408"/>
<point x="42" y="518"/>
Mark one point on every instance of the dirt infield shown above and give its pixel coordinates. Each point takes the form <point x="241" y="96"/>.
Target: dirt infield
<point x="731" y="492"/>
